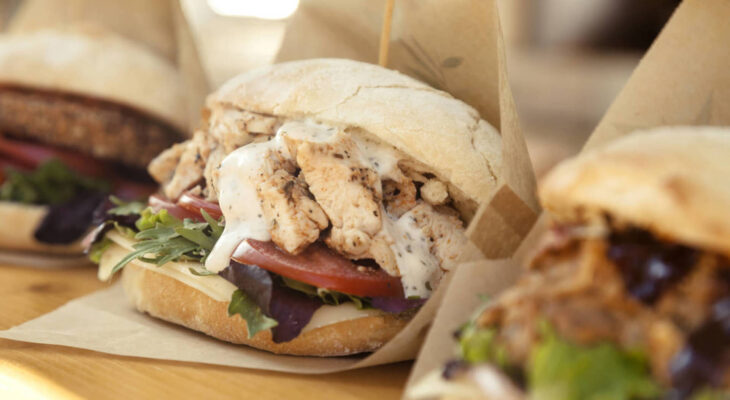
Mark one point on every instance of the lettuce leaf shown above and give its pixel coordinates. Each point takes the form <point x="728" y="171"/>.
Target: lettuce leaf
<point x="50" y="183"/>
<point x="329" y="297"/>
<point x="255" y="319"/>
<point x="478" y="345"/>
<point x="559" y="370"/>
<point x="163" y="238"/>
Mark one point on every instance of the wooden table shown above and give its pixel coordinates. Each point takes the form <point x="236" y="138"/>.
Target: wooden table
<point x="35" y="371"/>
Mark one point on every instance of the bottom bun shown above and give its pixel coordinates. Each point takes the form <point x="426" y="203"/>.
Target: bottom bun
<point x="18" y="223"/>
<point x="171" y="300"/>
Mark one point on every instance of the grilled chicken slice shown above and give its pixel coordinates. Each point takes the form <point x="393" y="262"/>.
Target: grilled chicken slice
<point x="349" y="192"/>
<point x="295" y="219"/>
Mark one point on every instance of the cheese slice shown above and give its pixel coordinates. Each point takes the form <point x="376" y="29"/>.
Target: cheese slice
<point x="214" y="286"/>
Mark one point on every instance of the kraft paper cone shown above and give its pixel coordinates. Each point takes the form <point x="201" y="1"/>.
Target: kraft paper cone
<point x="197" y="85"/>
<point x="683" y="79"/>
<point x="455" y="45"/>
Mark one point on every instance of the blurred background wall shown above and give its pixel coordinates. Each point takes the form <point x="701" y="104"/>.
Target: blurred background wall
<point x="567" y="58"/>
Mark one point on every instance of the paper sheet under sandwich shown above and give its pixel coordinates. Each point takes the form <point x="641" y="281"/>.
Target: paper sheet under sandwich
<point x="106" y="322"/>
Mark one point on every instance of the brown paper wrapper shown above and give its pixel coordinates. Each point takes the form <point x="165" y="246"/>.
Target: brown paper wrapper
<point x="684" y="79"/>
<point x="456" y="46"/>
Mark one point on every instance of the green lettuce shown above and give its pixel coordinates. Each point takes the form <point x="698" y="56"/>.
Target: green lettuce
<point x="711" y="394"/>
<point x="559" y="370"/>
<point x="255" y="318"/>
<point x="329" y="297"/>
<point x="478" y="345"/>
<point x="163" y="238"/>
<point x="50" y="183"/>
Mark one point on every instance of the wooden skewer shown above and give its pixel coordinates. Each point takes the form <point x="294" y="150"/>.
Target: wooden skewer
<point x="385" y="33"/>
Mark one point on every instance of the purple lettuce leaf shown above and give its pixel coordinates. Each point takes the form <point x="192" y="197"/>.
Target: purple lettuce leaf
<point x="67" y="222"/>
<point x="290" y="308"/>
<point x="395" y="304"/>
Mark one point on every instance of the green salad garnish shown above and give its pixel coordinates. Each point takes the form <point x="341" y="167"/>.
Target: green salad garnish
<point x="51" y="183"/>
<point x="560" y="370"/>
<point x="255" y="318"/>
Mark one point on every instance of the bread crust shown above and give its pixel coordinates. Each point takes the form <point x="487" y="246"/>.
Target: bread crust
<point x="671" y="181"/>
<point x="171" y="300"/>
<point x="426" y="124"/>
<point x="97" y="64"/>
<point x="17" y="228"/>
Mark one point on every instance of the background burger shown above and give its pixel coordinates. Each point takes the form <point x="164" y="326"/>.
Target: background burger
<point x="81" y="114"/>
<point x="629" y="297"/>
<point x="322" y="201"/>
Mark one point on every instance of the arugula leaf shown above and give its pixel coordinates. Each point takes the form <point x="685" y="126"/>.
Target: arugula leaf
<point x="163" y="238"/>
<point x="50" y="183"/>
<point x="255" y="319"/>
<point x="561" y="370"/>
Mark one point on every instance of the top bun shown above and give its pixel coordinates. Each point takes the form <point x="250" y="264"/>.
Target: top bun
<point x="97" y="64"/>
<point x="671" y="181"/>
<point x="426" y="124"/>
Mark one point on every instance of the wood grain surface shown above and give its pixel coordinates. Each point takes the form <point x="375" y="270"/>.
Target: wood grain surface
<point x="32" y="371"/>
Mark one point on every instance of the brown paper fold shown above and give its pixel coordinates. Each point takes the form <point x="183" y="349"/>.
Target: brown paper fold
<point x="684" y="79"/>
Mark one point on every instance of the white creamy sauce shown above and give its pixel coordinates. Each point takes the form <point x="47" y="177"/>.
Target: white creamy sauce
<point x="419" y="269"/>
<point x="244" y="217"/>
<point x="239" y="202"/>
<point x="381" y="158"/>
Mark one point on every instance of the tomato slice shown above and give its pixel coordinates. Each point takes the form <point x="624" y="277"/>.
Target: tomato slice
<point x="32" y="155"/>
<point x="158" y="203"/>
<point x="194" y="203"/>
<point x="321" y="267"/>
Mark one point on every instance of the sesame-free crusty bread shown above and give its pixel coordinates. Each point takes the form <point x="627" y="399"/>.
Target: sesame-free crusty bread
<point x="171" y="300"/>
<point x="672" y="181"/>
<point x="428" y="125"/>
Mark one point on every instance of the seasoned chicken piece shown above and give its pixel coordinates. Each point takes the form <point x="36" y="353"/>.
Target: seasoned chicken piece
<point x="296" y="220"/>
<point x="162" y="167"/>
<point x="234" y="128"/>
<point x="349" y="192"/>
<point x="381" y="252"/>
<point x="189" y="170"/>
<point x="434" y="192"/>
<point x="445" y="232"/>
<point x="399" y="196"/>
<point x="215" y="158"/>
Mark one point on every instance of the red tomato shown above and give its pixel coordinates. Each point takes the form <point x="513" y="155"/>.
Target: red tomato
<point x="31" y="155"/>
<point x="158" y="203"/>
<point x="194" y="203"/>
<point x="321" y="267"/>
